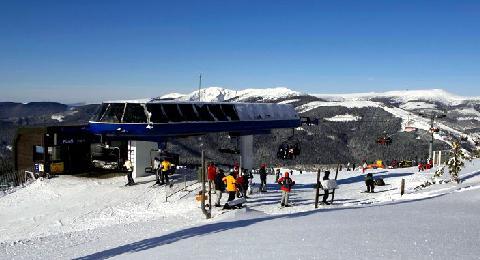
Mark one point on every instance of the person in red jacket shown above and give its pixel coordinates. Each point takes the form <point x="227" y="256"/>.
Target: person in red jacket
<point x="211" y="174"/>
<point x="286" y="184"/>
<point x="240" y="181"/>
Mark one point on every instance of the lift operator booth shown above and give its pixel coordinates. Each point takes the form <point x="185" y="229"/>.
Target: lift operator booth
<point x="147" y="123"/>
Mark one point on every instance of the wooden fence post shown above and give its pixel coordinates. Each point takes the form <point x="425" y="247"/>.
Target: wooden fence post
<point x="402" y="187"/>
<point x="317" y="187"/>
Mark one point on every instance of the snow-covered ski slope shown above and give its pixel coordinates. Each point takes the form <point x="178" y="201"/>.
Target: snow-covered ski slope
<point x="68" y="217"/>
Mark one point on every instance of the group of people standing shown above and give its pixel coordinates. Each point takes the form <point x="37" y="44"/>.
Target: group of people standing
<point x="162" y="170"/>
<point x="239" y="183"/>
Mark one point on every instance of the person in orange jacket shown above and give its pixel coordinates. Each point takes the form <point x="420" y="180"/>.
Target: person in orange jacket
<point x="286" y="184"/>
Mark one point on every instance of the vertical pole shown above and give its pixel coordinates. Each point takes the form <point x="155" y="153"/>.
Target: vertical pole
<point x="430" y="147"/>
<point x="200" y="88"/>
<point x="402" y="187"/>
<point x="210" y="198"/>
<point x="185" y="179"/>
<point x="439" y="157"/>
<point x="317" y="187"/>
<point x="333" y="192"/>
<point x="202" y="172"/>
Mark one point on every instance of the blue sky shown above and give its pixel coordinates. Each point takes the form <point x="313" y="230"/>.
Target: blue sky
<point x="74" y="51"/>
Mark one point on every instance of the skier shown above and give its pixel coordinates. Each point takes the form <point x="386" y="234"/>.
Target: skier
<point x="166" y="165"/>
<point x="229" y="180"/>
<point x="263" y="178"/>
<point x="128" y="165"/>
<point x="219" y="186"/>
<point x="370" y="182"/>
<point x="240" y="181"/>
<point x="277" y="175"/>
<point x="250" y="183"/>
<point x="211" y="172"/>
<point x="326" y="177"/>
<point x="286" y="186"/>
<point x="364" y="166"/>
<point x="156" y="168"/>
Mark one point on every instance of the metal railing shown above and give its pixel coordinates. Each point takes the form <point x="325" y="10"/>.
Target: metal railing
<point x="13" y="179"/>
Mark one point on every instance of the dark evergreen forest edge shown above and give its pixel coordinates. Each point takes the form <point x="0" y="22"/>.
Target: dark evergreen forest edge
<point x="326" y="143"/>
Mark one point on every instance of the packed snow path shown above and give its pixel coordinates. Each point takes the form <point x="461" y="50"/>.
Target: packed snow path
<point x="70" y="217"/>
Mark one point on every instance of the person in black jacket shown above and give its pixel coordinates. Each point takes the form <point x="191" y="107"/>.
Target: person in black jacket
<point x="263" y="178"/>
<point x="326" y="177"/>
<point x="219" y="186"/>
<point x="370" y="182"/>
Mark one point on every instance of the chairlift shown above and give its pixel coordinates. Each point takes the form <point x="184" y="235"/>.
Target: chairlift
<point x="289" y="149"/>
<point x="384" y="140"/>
<point x="105" y="157"/>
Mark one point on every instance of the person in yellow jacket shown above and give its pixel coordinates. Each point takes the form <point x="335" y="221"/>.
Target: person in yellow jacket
<point x="166" y="166"/>
<point x="229" y="180"/>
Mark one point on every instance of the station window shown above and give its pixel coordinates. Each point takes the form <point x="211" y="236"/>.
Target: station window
<point x="230" y="111"/>
<point x="158" y="115"/>
<point x="216" y="110"/>
<point x="99" y="113"/>
<point x="113" y="113"/>
<point x="134" y="113"/>
<point x="203" y="112"/>
<point x="188" y="112"/>
<point x="38" y="152"/>
<point x="172" y="112"/>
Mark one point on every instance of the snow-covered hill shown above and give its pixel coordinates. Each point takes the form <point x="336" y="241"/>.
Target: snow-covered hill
<point x="405" y="96"/>
<point x="463" y="112"/>
<point x="216" y="94"/>
<point x="78" y="217"/>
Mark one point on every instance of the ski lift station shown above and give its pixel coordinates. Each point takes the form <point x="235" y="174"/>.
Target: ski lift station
<point x="145" y="125"/>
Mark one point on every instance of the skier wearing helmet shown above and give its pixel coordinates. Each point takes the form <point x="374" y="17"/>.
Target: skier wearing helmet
<point x="286" y="184"/>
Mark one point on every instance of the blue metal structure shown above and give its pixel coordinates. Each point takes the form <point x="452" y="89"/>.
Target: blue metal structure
<point x="155" y="120"/>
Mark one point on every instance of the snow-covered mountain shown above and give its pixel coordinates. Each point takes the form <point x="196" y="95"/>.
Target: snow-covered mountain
<point x="463" y="112"/>
<point x="217" y="94"/>
<point x="403" y="97"/>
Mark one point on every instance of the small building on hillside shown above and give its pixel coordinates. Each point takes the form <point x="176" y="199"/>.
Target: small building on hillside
<point x="53" y="149"/>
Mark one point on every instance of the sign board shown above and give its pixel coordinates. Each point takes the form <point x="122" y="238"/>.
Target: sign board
<point x="57" y="167"/>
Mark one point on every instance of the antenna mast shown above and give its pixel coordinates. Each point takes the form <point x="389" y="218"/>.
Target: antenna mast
<point x="200" y="88"/>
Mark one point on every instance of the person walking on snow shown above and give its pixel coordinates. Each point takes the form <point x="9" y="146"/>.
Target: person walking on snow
<point x="364" y="166"/>
<point x="286" y="184"/>
<point x="229" y="180"/>
<point x="277" y="175"/>
<point x="325" y="191"/>
<point x="370" y="182"/>
<point x="240" y="182"/>
<point x="166" y="165"/>
<point x="129" y="166"/>
<point x="156" y="168"/>
<point x="219" y="186"/>
<point x="263" y="178"/>
<point x="211" y="172"/>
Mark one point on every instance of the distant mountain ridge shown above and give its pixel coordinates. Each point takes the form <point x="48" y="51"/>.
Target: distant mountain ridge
<point x="349" y="123"/>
